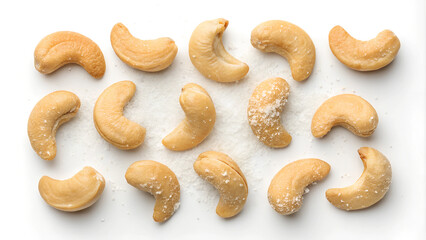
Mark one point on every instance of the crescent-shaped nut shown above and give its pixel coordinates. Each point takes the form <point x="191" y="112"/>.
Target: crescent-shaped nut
<point x="73" y="194"/>
<point x="347" y="110"/>
<point x="110" y="121"/>
<point x="158" y="180"/>
<point x="146" y="55"/>
<point x="370" y="188"/>
<point x="200" y="118"/>
<point x="289" y="41"/>
<point x="47" y="115"/>
<point x="363" y="55"/>
<point x="285" y="193"/>
<point x="209" y="56"/>
<point x="224" y="174"/>
<point x="265" y="105"/>
<point x="60" y="48"/>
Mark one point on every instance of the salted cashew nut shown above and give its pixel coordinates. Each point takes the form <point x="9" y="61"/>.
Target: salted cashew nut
<point x="209" y="56"/>
<point x="60" y="48"/>
<point x="289" y="41"/>
<point x="158" y="180"/>
<point x="224" y="174"/>
<point x="47" y="115"/>
<point x="370" y="188"/>
<point x="285" y="193"/>
<point x="110" y="121"/>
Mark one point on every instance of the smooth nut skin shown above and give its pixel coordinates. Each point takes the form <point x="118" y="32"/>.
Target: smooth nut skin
<point x="158" y="180"/>
<point x="146" y="55"/>
<point x="47" y="115"/>
<point x="200" y="118"/>
<point x="73" y="194"/>
<point x="285" y="193"/>
<point x="209" y="56"/>
<point x="110" y="121"/>
<point x="363" y="55"/>
<point x="224" y="174"/>
<point x="265" y="105"/>
<point x="346" y="110"/>
<point x="61" y="48"/>
<point x="289" y="41"/>
<point x="370" y="188"/>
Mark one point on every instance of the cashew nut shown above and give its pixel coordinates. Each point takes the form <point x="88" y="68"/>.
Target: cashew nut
<point x="209" y="56"/>
<point x="158" y="180"/>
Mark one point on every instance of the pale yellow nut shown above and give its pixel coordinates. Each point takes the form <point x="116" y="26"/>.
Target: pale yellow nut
<point x="73" y="194"/>
<point x="346" y="110"/>
<point x="289" y="41"/>
<point x="146" y="55"/>
<point x="47" y="115"/>
<point x="370" y="188"/>
<point x="363" y="55"/>
<point x="209" y="56"/>
<point x="110" y="121"/>
<point x="60" y="48"/>
<point x="285" y="193"/>
<point x="224" y="174"/>
<point x="265" y="106"/>
<point x="198" y="123"/>
<point x="158" y="180"/>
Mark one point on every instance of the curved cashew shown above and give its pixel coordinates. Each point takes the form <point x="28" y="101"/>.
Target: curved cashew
<point x="289" y="41"/>
<point x="73" y="194"/>
<point x="60" y="48"/>
<point x="200" y="118"/>
<point x="47" y="115"/>
<point x="285" y="193"/>
<point x="209" y="56"/>
<point x="370" y="188"/>
<point x="110" y="121"/>
<point x="158" y="180"/>
<point x="363" y="55"/>
<point x="224" y="174"/>
<point x="146" y="55"/>
<point x="265" y="105"/>
<point x="346" y="110"/>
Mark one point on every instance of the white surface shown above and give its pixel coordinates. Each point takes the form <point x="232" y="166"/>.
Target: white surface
<point x="397" y="92"/>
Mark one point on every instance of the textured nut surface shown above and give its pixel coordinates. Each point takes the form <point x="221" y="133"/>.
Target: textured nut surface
<point x="73" y="194"/>
<point x="110" y="121"/>
<point x="289" y="41"/>
<point x="224" y="174"/>
<point x="363" y="55"/>
<point x="47" y="115"/>
<point x="158" y="180"/>
<point x="60" y="48"/>
<point x="209" y="56"/>
<point x="370" y="188"/>
<point x="285" y="193"/>
<point x="265" y="105"/>
<point x="146" y="55"/>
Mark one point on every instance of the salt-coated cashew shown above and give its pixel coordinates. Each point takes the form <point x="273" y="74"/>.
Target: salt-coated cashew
<point x="200" y="118"/>
<point x="289" y="41"/>
<point x="265" y="105"/>
<point x="146" y="55"/>
<point x="158" y="180"/>
<point x="346" y="110"/>
<point x="285" y="193"/>
<point x="73" y="194"/>
<point x="60" y="48"/>
<point x="110" y="121"/>
<point x="209" y="56"/>
<point x="363" y="55"/>
<point x="47" y="115"/>
<point x="370" y="188"/>
<point x="224" y="174"/>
